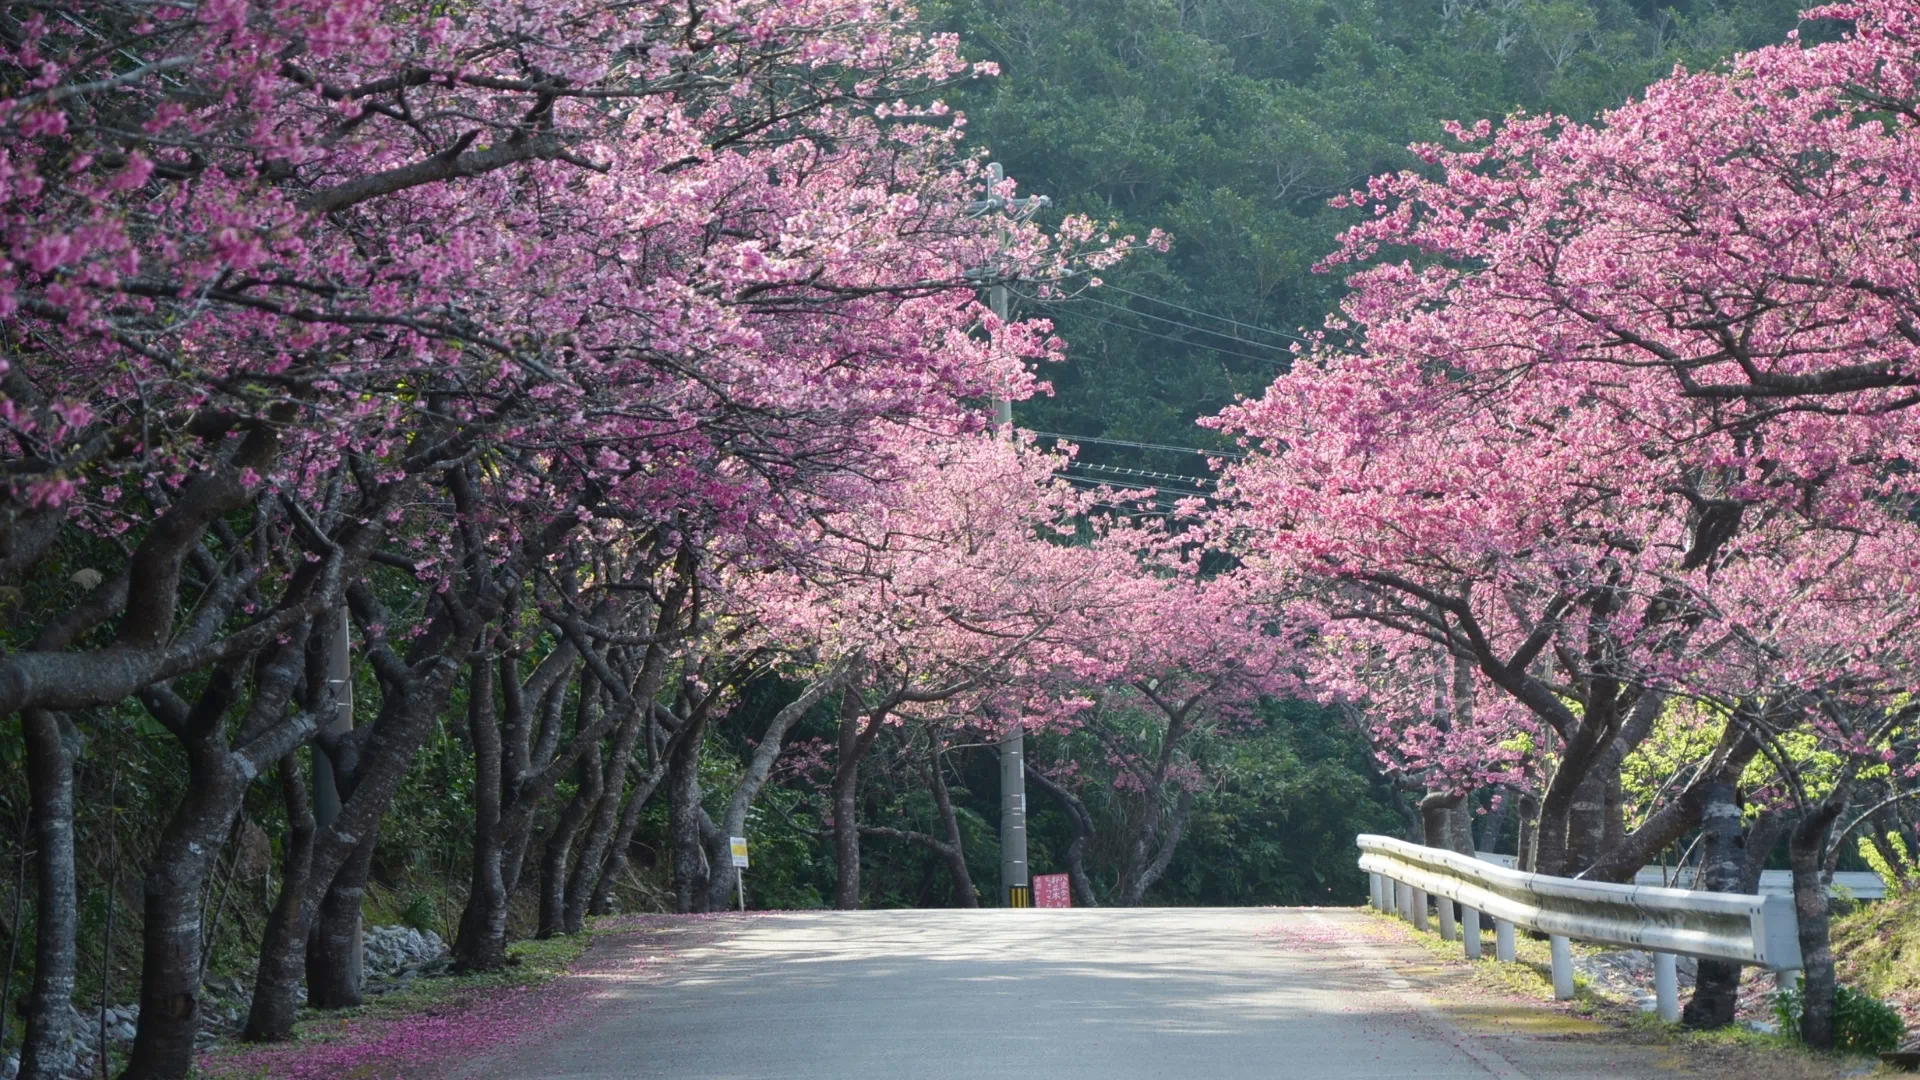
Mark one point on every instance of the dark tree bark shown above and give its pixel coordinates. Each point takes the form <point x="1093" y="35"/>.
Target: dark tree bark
<point x="282" y="949"/>
<point x="1587" y="822"/>
<point x="1492" y="823"/>
<point x="684" y="816"/>
<point x="616" y="859"/>
<point x="1680" y="815"/>
<point x="379" y="758"/>
<point x="50" y="1014"/>
<point x="1527" y="843"/>
<point x="217" y="781"/>
<point x="855" y="739"/>
<point x="553" y="864"/>
<point x="1082" y="823"/>
<point x="954" y="849"/>
<point x="636" y="708"/>
<point x="1806" y="851"/>
<point x="1133" y="889"/>
<point x="1447" y="822"/>
<point x="1723" y="865"/>
<point x="514" y="773"/>
<point x="335" y="978"/>
<point x="481" y="944"/>
<point x="1157" y="834"/>
<point x="643" y="788"/>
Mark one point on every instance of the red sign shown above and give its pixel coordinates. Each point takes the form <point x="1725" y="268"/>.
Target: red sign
<point x="1052" y="890"/>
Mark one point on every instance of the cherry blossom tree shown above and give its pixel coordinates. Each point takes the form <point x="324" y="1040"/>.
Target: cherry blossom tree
<point x="1627" y="422"/>
<point x="377" y="275"/>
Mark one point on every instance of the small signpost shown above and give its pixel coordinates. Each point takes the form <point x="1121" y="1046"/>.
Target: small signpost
<point x="739" y="845"/>
<point x="1052" y="890"/>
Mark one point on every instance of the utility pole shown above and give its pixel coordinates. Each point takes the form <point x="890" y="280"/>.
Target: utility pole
<point x="1016" y="886"/>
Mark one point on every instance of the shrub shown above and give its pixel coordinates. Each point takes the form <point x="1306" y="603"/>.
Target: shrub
<point x="1862" y="1023"/>
<point x="421" y="914"/>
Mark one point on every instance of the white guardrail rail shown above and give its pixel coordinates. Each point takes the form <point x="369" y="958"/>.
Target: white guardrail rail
<point x="1859" y="884"/>
<point x="1758" y="930"/>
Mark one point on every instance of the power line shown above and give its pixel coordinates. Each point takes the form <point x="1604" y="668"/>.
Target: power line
<point x="1153" y="334"/>
<point x="1157" y="488"/>
<point x="1229" y="454"/>
<point x="1149" y="473"/>
<point x="1211" y="315"/>
<point x="1176" y="322"/>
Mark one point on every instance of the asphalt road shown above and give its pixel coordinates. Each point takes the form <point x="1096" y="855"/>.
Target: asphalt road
<point x="1207" y="994"/>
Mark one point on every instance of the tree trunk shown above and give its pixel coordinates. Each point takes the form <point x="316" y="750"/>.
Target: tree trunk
<point x="759" y="767"/>
<point x="335" y="977"/>
<point x="553" y="865"/>
<point x="482" y="942"/>
<point x="1527" y="840"/>
<point x="846" y="823"/>
<point x="1447" y="822"/>
<point x="283" y="946"/>
<point x="1493" y="822"/>
<point x="1082" y="822"/>
<point x="1806" y="848"/>
<point x="1723" y="865"/>
<point x="606" y="813"/>
<point x="413" y="698"/>
<point x="1586" y="824"/>
<point x="1134" y="886"/>
<point x="616" y="861"/>
<point x="47" y="1053"/>
<point x="170" y="970"/>
<point x="846" y="835"/>
<point x="1624" y="858"/>
<point x="954" y="850"/>
<point x="683" y="814"/>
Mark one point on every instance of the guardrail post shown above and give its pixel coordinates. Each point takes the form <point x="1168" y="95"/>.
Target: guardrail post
<point x="1666" y="987"/>
<point x="1446" y="918"/>
<point x="1419" y="909"/>
<point x="1562" y="967"/>
<point x="1373" y="892"/>
<point x="1470" y="931"/>
<point x="1403" y="900"/>
<point x="1503" y="941"/>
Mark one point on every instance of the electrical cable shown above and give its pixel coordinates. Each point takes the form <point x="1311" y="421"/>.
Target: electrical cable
<point x="1284" y="350"/>
<point x="1149" y="473"/>
<point x="1096" y="482"/>
<point x="1210" y="315"/>
<point x="1152" y="334"/>
<point x="1232" y="455"/>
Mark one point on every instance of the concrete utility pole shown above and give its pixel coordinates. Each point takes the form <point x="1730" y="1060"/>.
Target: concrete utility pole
<point x="1016" y="886"/>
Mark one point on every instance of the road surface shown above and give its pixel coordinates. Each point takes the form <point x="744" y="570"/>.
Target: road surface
<point x="1142" y="994"/>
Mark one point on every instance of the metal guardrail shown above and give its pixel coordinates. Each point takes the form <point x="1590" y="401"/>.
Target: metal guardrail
<point x="1759" y="930"/>
<point x="1859" y="884"/>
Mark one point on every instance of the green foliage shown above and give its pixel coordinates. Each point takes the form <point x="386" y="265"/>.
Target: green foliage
<point x="1895" y="874"/>
<point x="1862" y="1023"/>
<point x="1279" y="828"/>
<point x="421" y="913"/>
<point x="1877" y="949"/>
<point x="1231" y="122"/>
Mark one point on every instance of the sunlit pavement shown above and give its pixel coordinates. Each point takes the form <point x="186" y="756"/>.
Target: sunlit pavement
<point x="1211" y="994"/>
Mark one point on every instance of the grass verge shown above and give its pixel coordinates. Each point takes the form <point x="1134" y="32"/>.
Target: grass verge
<point x="1731" y="1051"/>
